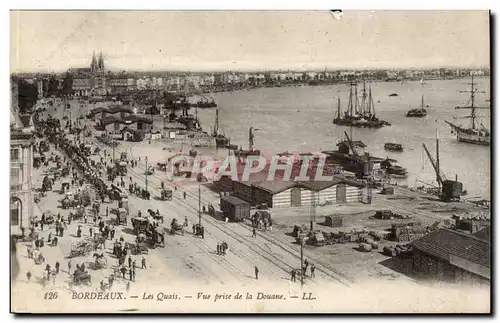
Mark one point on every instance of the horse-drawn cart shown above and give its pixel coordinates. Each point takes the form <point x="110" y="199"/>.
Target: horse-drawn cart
<point x="81" y="248"/>
<point x="176" y="227"/>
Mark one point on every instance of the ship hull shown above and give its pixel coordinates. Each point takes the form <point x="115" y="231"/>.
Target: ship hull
<point x="473" y="139"/>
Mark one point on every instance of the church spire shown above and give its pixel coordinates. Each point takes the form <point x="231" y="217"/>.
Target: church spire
<point x="101" y="62"/>
<point x="93" y="65"/>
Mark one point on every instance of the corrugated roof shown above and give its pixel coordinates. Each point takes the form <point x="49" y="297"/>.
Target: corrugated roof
<point x="483" y="234"/>
<point x="444" y="243"/>
<point x="118" y="108"/>
<point x="233" y="200"/>
<point x="111" y="119"/>
<point x="275" y="187"/>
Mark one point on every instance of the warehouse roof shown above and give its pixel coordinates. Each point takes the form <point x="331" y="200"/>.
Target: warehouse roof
<point x="118" y="108"/>
<point x="483" y="234"/>
<point x="110" y="119"/>
<point x="275" y="187"/>
<point x="233" y="200"/>
<point x="444" y="244"/>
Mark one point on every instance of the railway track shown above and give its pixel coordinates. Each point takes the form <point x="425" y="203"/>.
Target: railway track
<point x="258" y="249"/>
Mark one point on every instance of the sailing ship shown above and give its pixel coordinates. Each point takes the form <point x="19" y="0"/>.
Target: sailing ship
<point x="359" y="114"/>
<point x="418" y="113"/>
<point x="474" y="134"/>
<point x="221" y="141"/>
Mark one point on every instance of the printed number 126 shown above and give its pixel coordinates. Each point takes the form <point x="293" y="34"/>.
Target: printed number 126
<point x="50" y="295"/>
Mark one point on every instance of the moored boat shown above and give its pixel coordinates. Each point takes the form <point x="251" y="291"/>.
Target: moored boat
<point x="393" y="146"/>
<point x="474" y="134"/>
<point x="417" y="113"/>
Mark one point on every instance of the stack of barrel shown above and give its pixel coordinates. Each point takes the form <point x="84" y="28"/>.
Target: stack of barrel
<point x="367" y="244"/>
<point x="397" y="250"/>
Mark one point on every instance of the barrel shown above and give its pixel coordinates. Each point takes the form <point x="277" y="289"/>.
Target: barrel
<point x="388" y="251"/>
<point x="365" y="247"/>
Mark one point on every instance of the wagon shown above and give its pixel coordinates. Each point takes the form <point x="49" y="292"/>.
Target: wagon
<point x="121" y="216"/>
<point x="139" y="224"/>
<point x="81" y="248"/>
<point x="166" y="195"/>
<point x="139" y="248"/>
<point x="80" y="277"/>
<point x="176" y="227"/>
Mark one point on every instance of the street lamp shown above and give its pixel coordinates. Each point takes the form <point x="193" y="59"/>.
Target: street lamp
<point x="302" y="273"/>
<point x="199" y="205"/>
<point x="147" y="173"/>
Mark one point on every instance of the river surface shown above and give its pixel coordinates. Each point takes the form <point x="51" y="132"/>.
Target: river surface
<point x="299" y="119"/>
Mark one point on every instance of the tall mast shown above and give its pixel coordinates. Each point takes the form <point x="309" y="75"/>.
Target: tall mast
<point x="250" y="139"/>
<point x="422" y="104"/>
<point x="370" y="100"/>
<point x="356" y="100"/>
<point x="473" y="111"/>
<point x="338" y="107"/>
<point x="437" y="154"/>
<point x="350" y="101"/>
<point x="363" y="99"/>
<point x="216" y="126"/>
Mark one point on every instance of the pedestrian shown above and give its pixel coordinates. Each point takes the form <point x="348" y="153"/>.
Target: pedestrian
<point x="224" y="248"/>
<point x="50" y="238"/>
<point x="312" y="270"/>
<point x="143" y="263"/>
<point x="293" y="275"/>
<point x="123" y="270"/>
<point x="57" y="267"/>
<point x="186" y="221"/>
<point x="69" y="267"/>
<point x="256" y="272"/>
<point x="28" y="275"/>
<point x="202" y="232"/>
<point x="306" y="264"/>
<point x="184" y="194"/>
<point x="254" y="233"/>
<point x="90" y="231"/>
<point x="133" y="273"/>
<point x="218" y="248"/>
<point x="110" y="281"/>
<point x="61" y="231"/>
<point x="41" y="226"/>
<point x="129" y="261"/>
<point x="133" y="265"/>
<point x="130" y="274"/>
<point x="194" y="229"/>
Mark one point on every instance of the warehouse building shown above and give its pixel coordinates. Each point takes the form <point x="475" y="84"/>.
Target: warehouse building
<point x="452" y="256"/>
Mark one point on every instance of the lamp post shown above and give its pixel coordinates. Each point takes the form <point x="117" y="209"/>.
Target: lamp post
<point x="302" y="259"/>
<point x="147" y="173"/>
<point x="199" y="205"/>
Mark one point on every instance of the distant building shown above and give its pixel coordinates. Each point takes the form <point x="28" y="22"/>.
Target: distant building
<point x="90" y="80"/>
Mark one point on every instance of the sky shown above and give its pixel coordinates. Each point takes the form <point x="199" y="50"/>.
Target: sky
<point x="53" y="41"/>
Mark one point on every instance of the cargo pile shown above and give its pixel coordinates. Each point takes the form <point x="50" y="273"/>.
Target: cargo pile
<point x="407" y="232"/>
<point x="398" y="250"/>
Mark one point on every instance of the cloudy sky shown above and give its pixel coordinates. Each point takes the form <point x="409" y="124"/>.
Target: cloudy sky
<point x="246" y="40"/>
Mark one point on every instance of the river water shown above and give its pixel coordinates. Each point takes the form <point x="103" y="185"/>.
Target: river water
<point x="299" y="119"/>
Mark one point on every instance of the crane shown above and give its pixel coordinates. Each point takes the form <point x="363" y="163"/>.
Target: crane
<point x="440" y="177"/>
<point x="450" y="190"/>
<point x="351" y="145"/>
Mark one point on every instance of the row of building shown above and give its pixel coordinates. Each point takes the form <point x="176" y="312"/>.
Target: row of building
<point x="95" y="80"/>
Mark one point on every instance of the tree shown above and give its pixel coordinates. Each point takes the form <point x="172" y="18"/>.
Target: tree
<point x="53" y="88"/>
<point x="27" y="95"/>
<point x="67" y="84"/>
